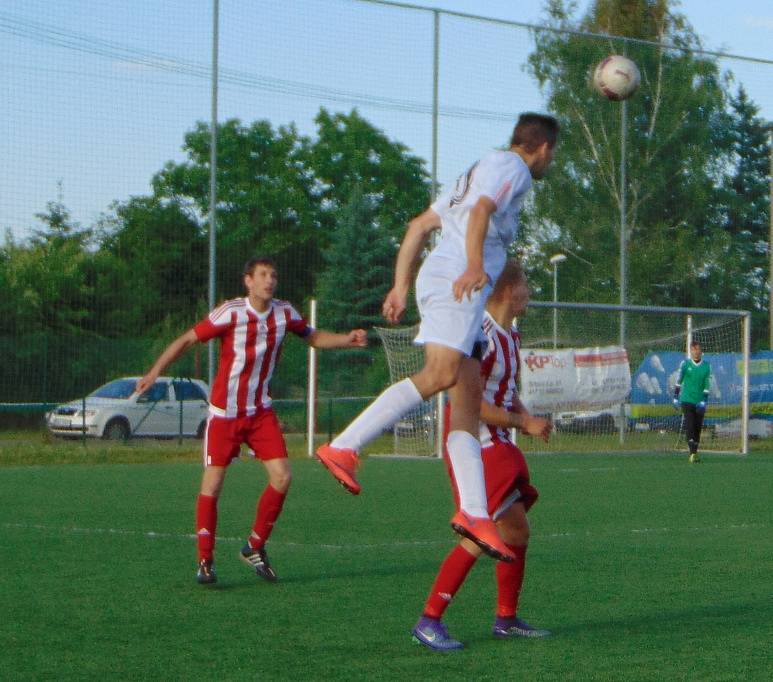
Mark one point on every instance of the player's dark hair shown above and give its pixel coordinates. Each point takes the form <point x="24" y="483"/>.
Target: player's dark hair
<point x="694" y="344"/>
<point x="533" y="130"/>
<point x="252" y="263"/>
<point x="512" y="274"/>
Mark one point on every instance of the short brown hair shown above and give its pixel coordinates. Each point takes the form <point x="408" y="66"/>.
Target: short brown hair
<point x="513" y="273"/>
<point x="533" y="130"/>
<point x="252" y="263"/>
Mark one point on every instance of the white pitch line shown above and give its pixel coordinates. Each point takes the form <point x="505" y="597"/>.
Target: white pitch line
<point x="594" y="469"/>
<point x="151" y="534"/>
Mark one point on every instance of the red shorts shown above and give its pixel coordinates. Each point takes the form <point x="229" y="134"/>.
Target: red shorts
<point x="507" y="478"/>
<point x="261" y="432"/>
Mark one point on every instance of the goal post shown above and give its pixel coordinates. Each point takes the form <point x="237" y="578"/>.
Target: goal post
<point x="608" y="384"/>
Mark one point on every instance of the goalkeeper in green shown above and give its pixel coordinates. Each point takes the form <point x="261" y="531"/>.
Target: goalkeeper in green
<point x="691" y="394"/>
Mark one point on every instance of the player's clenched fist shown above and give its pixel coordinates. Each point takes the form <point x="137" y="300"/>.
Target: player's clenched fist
<point x="358" y="338"/>
<point x="537" y="426"/>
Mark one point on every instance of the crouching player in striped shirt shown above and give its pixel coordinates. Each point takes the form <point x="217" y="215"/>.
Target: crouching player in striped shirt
<point x="508" y="487"/>
<point x="251" y="331"/>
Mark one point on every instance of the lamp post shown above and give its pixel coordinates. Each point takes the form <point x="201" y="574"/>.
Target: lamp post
<point x="554" y="261"/>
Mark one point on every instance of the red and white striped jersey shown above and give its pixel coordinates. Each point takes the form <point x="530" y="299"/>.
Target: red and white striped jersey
<point x="499" y="368"/>
<point x="250" y="345"/>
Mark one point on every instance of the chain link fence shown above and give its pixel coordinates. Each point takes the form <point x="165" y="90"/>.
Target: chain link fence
<point x="338" y="120"/>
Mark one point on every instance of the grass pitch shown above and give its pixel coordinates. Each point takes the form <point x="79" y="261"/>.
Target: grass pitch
<point x="644" y="567"/>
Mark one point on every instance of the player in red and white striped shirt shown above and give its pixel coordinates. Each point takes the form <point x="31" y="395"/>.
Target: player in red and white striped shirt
<point x="508" y="487"/>
<point x="251" y="331"/>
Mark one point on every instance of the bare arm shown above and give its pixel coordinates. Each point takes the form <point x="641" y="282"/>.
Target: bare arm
<point x="419" y="230"/>
<point x="319" y="338"/>
<point x="475" y="277"/>
<point x="173" y="351"/>
<point x="520" y="419"/>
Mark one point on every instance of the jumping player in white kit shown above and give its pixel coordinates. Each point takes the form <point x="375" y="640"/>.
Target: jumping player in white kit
<point x="479" y="221"/>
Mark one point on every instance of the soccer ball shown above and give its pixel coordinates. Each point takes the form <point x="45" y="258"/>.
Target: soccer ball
<point x="616" y="77"/>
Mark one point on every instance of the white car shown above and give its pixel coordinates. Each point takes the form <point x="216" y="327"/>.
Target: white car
<point x="171" y="407"/>
<point x="607" y="420"/>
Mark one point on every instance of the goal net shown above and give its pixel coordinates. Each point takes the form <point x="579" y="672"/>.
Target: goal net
<point x="417" y="432"/>
<point x="605" y="375"/>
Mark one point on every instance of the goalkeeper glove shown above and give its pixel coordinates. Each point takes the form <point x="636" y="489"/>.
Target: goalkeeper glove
<point x="701" y="406"/>
<point x="676" y="403"/>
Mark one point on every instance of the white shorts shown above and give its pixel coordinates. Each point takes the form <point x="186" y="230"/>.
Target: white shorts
<point x="444" y="320"/>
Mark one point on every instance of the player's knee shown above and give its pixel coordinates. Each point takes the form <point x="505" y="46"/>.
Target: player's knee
<point x="517" y="536"/>
<point x="281" y="481"/>
<point x="443" y="378"/>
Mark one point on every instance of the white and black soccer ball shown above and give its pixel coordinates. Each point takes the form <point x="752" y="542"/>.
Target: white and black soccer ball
<point x="616" y="77"/>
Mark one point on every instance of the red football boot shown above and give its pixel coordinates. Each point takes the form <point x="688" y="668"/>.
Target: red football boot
<point x="342" y="463"/>
<point x="483" y="532"/>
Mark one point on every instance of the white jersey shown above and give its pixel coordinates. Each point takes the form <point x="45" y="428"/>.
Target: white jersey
<point x="499" y="370"/>
<point x="503" y="177"/>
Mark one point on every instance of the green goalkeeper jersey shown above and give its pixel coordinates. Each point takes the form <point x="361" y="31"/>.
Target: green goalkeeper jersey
<point x="694" y="381"/>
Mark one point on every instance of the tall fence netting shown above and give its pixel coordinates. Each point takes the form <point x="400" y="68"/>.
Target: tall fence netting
<point x="327" y="144"/>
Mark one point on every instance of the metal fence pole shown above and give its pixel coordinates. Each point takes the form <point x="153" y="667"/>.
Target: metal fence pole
<point x="311" y="396"/>
<point x="747" y="338"/>
<point x="213" y="182"/>
<point x="329" y="419"/>
<point x="440" y="399"/>
<point x="180" y="434"/>
<point x="623" y="227"/>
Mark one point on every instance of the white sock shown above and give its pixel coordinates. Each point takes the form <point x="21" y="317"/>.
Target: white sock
<point x="383" y="413"/>
<point x="467" y="465"/>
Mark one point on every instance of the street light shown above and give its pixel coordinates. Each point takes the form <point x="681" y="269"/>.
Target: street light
<point x="554" y="261"/>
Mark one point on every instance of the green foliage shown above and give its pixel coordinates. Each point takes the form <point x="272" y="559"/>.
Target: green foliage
<point x="677" y="149"/>
<point x="744" y="213"/>
<point x="152" y="266"/>
<point x="47" y="281"/>
<point x="267" y="200"/>
<point x="358" y="267"/>
<point x="353" y="158"/>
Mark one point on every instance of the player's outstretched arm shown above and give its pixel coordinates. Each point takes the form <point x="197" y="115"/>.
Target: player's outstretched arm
<point x="173" y="351"/>
<point x="475" y="277"/>
<point x="520" y="419"/>
<point x="319" y="338"/>
<point x="416" y="236"/>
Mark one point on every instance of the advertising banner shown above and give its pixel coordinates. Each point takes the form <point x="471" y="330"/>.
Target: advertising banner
<point x="574" y="379"/>
<point x="654" y="380"/>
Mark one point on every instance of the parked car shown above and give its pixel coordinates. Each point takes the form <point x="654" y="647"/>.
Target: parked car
<point x="171" y="407"/>
<point x="595" y="421"/>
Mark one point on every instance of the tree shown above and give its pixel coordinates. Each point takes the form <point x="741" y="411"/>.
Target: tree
<point x="744" y="212"/>
<point x="677" y="146"/>
<point x="49" y="275"/>
<point x="151" y="267"/>
<point x="268" y="200"/>
<point x="279" y="193"/>
<point x="358" y="267"/>
<point x="351" y="157"/>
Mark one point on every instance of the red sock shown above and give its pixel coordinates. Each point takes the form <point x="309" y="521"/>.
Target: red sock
<point x="451" y="575"/>
<point x="509" y="581"/>
<point x="206" y="525"/>
<point x="269" y="508"/>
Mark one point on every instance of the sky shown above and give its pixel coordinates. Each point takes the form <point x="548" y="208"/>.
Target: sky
<point x="96" y="97"/>
<point x="746" y="30"/>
